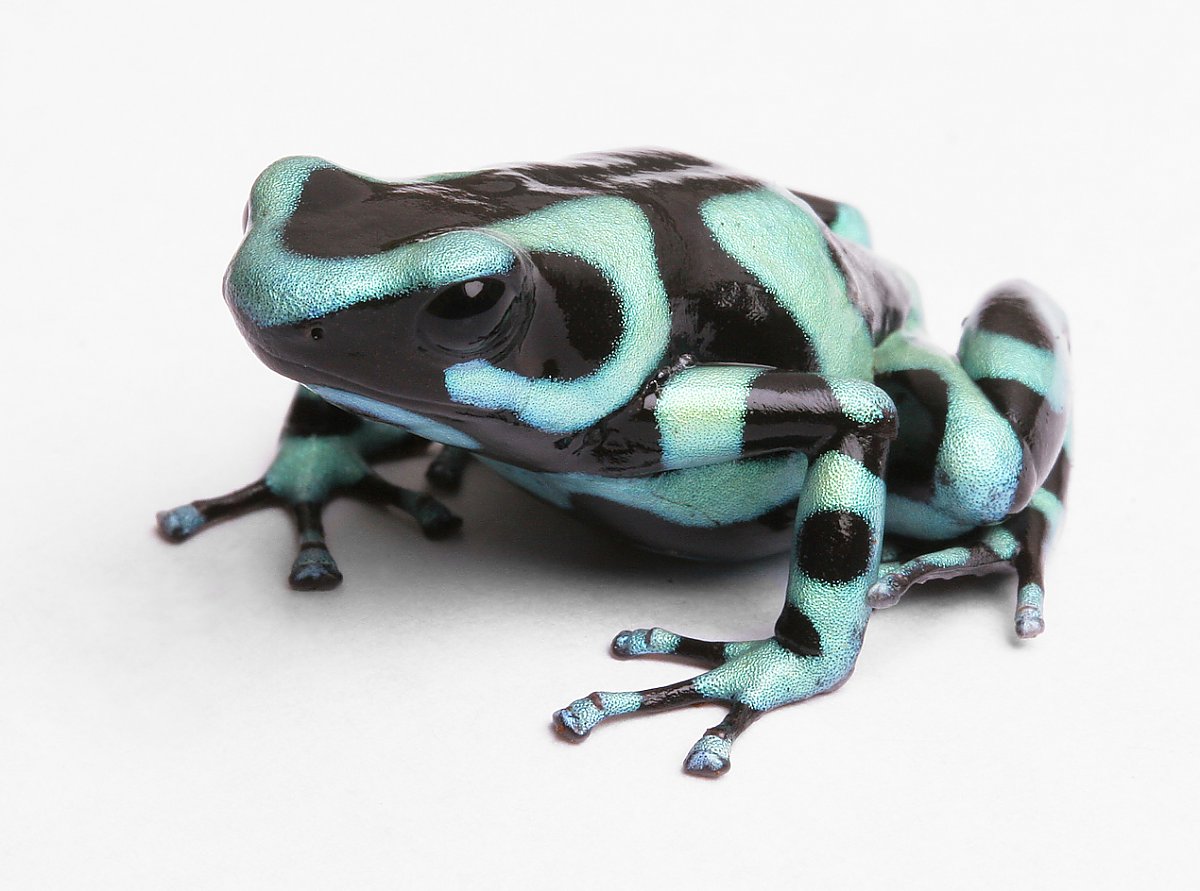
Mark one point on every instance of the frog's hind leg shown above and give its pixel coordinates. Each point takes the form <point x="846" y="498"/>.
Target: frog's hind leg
<point x="1019" y="543"/>
<point x="981" y="465"/>
<point x="1014" y="347"/>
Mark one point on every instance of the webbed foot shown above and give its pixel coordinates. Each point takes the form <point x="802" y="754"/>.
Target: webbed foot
<point x="750" y="676"/>
<point x="1004" y="546"/>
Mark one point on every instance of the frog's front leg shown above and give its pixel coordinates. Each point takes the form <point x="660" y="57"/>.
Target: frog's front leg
<point x="847" y="426"/>
<point x="324" y="453"/>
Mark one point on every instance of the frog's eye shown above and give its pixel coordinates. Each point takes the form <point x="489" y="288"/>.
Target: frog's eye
<point x="463" y="317"/>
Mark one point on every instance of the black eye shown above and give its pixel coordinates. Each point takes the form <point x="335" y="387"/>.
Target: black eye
<point x="467" y="317"/>
<point x="466" y="299"/>
<point x="316" y="333"/>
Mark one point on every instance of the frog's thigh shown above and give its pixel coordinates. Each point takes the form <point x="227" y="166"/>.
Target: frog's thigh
<point x="980" y="434"/>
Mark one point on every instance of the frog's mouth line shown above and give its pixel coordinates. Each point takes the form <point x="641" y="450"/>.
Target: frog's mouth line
<point x="367" y="401"/>
<point x="384" y="412"/>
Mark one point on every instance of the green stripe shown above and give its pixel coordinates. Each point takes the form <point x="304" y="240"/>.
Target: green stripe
<point x="781" y="244"/>
<point x="701" y="414"/>
<point x="986" y="354"/>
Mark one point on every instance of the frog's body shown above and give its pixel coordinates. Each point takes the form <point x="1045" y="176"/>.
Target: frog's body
<point x="715" y="367"/>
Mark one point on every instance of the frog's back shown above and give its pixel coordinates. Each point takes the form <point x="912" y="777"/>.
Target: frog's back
<point x="753" y="274"/>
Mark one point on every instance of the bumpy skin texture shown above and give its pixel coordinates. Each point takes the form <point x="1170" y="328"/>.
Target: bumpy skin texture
<point x="716" y="367"/>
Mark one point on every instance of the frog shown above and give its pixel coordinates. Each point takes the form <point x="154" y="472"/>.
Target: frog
<point x="714" y="366"/>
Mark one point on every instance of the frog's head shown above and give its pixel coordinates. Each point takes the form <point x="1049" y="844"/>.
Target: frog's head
<point x="369" y="292"/>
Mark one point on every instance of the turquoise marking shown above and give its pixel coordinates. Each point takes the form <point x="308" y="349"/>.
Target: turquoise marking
<point x="708" y="496"/>
<point x="397" y="417"/>
<point x="1003" y="542"/>
<point x="1030" y="596"/>
<point x="861" y="401"/>
<point x="1049" y="505"/>
<point x="310" y="468"/>
<point x="1028" y="618"/>
<point x="701" y="414"/>
<point x="839" y="482"/>
<point x="660" y="641"/>
<point x="781" y="244"/>
<point x="986" y="354"/>
<point x="273" y="286"/>
<point x="613" y="235"/>
<point x="947" y="559"/>
<point x="583" y="714"/>
<point x="852" y="225"/>
<point x="916" y="519"/>
<point x="767" y="676"/>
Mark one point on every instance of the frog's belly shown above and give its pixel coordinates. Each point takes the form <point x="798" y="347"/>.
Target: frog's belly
<point x="732" y="511"/>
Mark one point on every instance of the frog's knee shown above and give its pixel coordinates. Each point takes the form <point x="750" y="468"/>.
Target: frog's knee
<point x="981" y="475"/>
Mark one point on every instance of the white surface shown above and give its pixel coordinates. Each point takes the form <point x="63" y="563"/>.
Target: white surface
<point x="176" y="718"/>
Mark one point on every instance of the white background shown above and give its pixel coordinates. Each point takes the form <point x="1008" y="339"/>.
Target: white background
<point x="175" y="717"/>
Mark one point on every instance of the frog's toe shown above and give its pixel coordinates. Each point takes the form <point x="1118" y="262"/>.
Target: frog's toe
<point x="709" y="757"/>
<point x="179" y="523"/>
<point x="660" y="642"/>
<point x="435" y="519"/>
<point x="1029" y="626"/>
<point x="1029" y="621"/>
<point x="314" y="570"/>
<point x="887" y="591"/>
<point x="578" y="719"/>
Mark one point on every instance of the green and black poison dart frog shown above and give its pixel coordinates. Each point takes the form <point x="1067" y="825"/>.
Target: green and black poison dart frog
<point x="713" y="366"/>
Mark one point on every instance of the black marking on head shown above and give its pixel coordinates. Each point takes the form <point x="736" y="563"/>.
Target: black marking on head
<point x="576" y="322"/>
<point x="1013" y="314"/>
<point x="627" y="440"/>
<point x="796" y="632"/>
<point x="343" y="215"/>
<point x="824" y="208"/>
<point x="738" y="319"/>
<point x="834" y="546"/>
<point x="922" y="402"/>
<point x="878" y="293"/>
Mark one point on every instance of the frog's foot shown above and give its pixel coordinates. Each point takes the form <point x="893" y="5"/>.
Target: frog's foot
<point x="1029" y="620"/>
<point x="1014" y="544"/>
<point x="307" y="474"/>
<point x="750" y="676"/>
